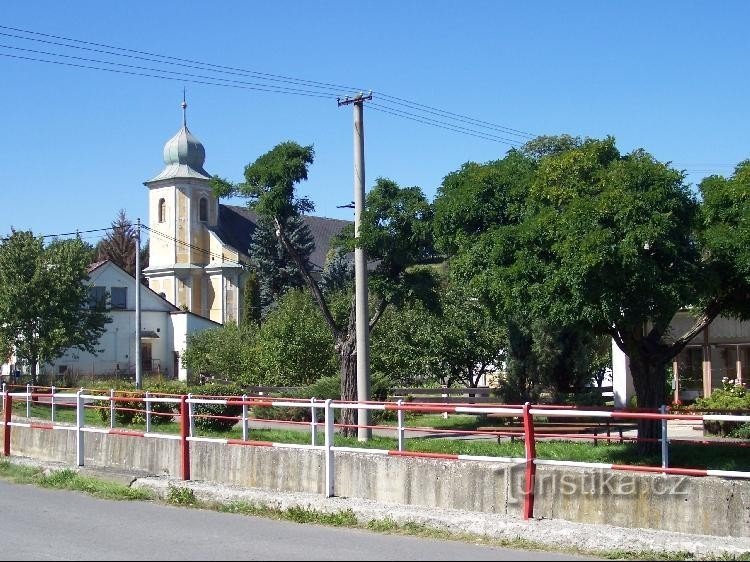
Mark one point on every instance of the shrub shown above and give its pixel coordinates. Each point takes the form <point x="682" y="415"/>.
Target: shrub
<point x="134" y="411"/>
<point x="325" y="388"/>
<point x="732" y="396"/>
<point x="222" y="417"/>
<point x="179" y="495"/>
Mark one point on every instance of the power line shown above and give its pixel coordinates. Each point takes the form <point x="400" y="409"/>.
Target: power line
<point x="434" y="124"/>
<point x="189" y="80"/>
<point x="408" y="112"/>
<point x="76" y="233"/>
<point x="193" y="247"/>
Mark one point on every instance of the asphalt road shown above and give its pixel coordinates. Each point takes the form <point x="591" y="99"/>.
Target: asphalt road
<point x="42" y="524"/>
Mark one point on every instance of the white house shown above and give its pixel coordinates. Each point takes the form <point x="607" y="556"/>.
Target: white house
<point x="721" y="350"/>
<point x="164" y="329"/>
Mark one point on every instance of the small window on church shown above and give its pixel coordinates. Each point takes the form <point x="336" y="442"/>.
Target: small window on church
<point x="203" y="209"/>
<point x="162" y="210"/>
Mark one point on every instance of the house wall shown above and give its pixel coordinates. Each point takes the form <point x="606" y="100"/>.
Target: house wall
<point x="182" y="325"/>
<point x="724" y="336"/>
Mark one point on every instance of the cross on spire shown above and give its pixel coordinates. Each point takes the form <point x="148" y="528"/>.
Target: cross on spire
<point x="184" y="108"/>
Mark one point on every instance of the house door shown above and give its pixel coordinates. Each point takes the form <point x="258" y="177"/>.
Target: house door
<point x="146" y="358"/>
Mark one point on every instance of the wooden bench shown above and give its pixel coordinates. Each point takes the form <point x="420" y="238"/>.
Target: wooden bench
<point x="453" y="395"/>
<point x="545" y="429"/>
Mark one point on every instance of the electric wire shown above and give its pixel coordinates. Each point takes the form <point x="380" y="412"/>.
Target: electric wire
<point x="325" y="86"/>
<point x="194" y="247"/>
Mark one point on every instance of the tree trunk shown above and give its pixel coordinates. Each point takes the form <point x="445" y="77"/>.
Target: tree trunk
<point x="348" y="371"/>
<point x="649" y="380"/>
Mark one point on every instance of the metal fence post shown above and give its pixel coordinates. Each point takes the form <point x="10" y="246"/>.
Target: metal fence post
<point x="400" y="416"/>
<point x="80" y="420"/>
<point x="8" y="408"/>
<point x="313" y="422"/>
<point x="245" y="428"/>
<point x="52" y="402"/>
<point x="191" y="421"/>
<point x="530" y="449"/>
<point x="330" y="490"/>
<point x="664" y="439"/>
<point x="111" y="407"/>
<point x="184" y="432"/>
<point x="28" y="401"/>
<point x="148" y="412"/>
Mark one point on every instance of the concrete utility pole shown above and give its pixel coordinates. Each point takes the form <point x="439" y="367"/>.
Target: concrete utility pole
<point x="362" y="313"/>
<point x="138" y="381"/>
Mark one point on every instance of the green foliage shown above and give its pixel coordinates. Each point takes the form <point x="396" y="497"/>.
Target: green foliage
<point x="251" y="303"/>
<point x="227" y="353"/>
<point x="119" y="244"/>
<point x="180" y="495"/>
<point x="325" y="388"/>
<point x="294" y="346"/>
<point x="455" y="344"/>
<point x="573" y="233"/>
<point x="134" y="411"/>
<point x="216" y="417"/>
<point x="732" y="396"/>
<point x="338" y="271"/>
<point x="276" y="271"/>
<point x="725" y="235"/>
<point x="44" y="299"/>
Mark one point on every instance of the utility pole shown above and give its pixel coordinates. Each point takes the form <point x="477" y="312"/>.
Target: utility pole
<point x="138" y="381"/>
<point x="362" y="313"/>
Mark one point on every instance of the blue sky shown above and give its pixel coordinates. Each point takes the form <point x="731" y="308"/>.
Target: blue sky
<point x="76" y="144"/>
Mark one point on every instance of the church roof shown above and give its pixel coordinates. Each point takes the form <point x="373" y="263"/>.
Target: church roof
<point x="237" y="224"/>
<point x="184" y="155"/>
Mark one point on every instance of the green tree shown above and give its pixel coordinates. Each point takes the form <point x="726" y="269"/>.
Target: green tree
<point x="119" y="244"/>
<point x="44" y="299"/>
<point x="611" y="242"/>
<point x="458" y="342"/>
<point x="226" y="353"/>
<point x="276" y="272"/>
<point x="294" y="346"/>
<point x="395" y="234"/>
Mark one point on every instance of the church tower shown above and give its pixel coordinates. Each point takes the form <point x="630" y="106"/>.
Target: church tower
<point x="188" y="264"/>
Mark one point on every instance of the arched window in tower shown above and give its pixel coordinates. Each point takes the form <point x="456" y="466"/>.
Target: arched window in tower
<point x="203" y="209"/>
<point x="162" y="210"/>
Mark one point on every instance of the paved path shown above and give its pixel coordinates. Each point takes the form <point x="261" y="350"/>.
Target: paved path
<point x="41" y="524"/>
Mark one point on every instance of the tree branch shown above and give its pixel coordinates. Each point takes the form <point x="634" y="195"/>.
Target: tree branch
<point x="309" y="281"/>
<point x="378" y="313"/>
<point x="711" y="311"/>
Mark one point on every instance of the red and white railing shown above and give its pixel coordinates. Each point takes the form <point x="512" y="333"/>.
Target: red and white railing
<point x="80" y="400"/>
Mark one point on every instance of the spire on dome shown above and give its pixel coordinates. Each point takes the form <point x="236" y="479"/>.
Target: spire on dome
<point x="184" y="107"/>
<point x="184" y="154"/>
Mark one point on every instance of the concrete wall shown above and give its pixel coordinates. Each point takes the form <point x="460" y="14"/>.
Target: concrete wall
<point x="710" y="506"/>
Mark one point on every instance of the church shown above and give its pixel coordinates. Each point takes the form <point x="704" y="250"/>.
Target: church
<point x="198" y="246"/>
<point x="198" y="263"/>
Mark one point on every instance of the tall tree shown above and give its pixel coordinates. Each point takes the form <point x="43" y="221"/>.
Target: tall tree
<point x="276" y="271"/>
<point x="119" y="244"/>
<point x="395" y="234"/>
<point x="44" y="299"/>
<point x="612" y="242"/>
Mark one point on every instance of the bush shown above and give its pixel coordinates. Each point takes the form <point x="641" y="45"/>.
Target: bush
<point x="325" y="388"/>
<point x="732" y="396"/>
<point x="222" y="416"/>
<point x="129" y="412"/>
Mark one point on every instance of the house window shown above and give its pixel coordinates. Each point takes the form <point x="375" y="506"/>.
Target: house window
<point x="119" y="297"/>
<point x="203" y="209"/>
<point x="162" y="210"/>
<point x="97" y="296"/>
